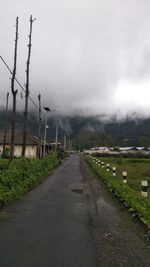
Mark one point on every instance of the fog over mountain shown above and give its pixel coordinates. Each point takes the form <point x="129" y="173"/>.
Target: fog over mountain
<point x="88" y="56"/>
<point x="87" y="131"/>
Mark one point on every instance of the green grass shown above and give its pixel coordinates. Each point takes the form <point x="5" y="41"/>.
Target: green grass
<point x="137" y="169"/>
<point x="21" y="175"/>
<point x="128" y="195"/>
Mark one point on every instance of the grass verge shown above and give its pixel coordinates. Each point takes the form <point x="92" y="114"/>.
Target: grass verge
<point x="133" y="200"/>
<point x="24" y="174"/>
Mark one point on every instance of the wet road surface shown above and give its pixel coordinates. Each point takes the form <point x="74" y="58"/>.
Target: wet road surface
<point x="119" y="238"/>
<point x="70" y="220"/>
<point x="51" y="225"/>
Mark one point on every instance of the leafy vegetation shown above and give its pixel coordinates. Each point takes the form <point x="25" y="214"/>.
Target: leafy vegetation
<point x="4" y="165"/>
<point x="86" y="139"/>
<point x="132" y="199"/>
<point x="22" y="175"/>
<point x="137" y="169"/>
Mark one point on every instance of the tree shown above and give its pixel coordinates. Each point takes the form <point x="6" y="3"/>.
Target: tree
<point x="127" y="141"/>
<point x="109" y="141"/>
<point x="25" y="126"/>
<point x="14" y="94"/>
<point x="39" y="128"/>
<point x="144" y="141"/>
<point x="6" y="126"/>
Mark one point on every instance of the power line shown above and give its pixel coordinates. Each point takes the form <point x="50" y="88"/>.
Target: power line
<point x="21" y="85"/>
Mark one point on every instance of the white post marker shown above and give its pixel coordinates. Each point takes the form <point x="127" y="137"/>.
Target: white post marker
<point x="124" y="174"/>
<point x="107" y="167"/>
<point x="144" y="191"/>
<point x="102" y="164"/>
<point x="114" y="171"/>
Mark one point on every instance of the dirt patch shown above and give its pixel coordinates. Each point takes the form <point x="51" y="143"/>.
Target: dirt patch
<point x="119" y="238"/>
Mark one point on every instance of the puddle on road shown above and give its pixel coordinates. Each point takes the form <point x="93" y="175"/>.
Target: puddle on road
<point x="77" y="190"/>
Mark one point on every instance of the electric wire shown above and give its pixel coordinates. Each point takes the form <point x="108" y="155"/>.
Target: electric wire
<point x="32" y="101"/>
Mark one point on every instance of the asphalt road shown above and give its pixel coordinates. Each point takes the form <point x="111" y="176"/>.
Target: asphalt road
<point x="70" y="220"/>
<point x="51" y="225"/>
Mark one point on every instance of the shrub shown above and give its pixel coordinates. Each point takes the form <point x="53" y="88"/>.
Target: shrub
<point x="124" y="192"/>
<point x="4" y="164"/>
<point x="22" y="175"/>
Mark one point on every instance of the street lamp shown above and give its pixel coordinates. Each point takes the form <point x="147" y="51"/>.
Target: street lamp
<point x="47" y="109"/>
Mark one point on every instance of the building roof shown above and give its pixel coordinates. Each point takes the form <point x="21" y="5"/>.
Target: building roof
<point x="31" y="140"/>
<point x="126" y="148"/>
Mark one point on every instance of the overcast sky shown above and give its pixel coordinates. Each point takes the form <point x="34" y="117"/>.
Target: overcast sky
<point x="87" y="55"/>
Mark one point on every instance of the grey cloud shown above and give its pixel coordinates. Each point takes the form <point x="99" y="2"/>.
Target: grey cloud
<point x="81" y="50"/>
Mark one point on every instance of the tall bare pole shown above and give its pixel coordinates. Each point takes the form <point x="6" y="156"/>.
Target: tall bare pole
<point x="39" y="127"/>
<point x="45" y="132"/>
<point x="25" y="126"/>
<point x="56" y="136"/>
<point x="65" y="141"/>
<point x="6" y="126"/>
<point x="14" y="94"/>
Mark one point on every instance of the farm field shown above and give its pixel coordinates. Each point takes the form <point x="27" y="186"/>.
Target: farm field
<point x="137" y="169"/>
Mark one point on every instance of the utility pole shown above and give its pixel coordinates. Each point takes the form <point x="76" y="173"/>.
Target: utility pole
<point x="65" y="141"/>
<point x="45" y="131"/>
<point x="14" y="94"/>
<point x="25" y="127"/>
<point x="69" y="144"/>
<point x="39" y="127"/>
<point x="47" y="109"/>
<point x="5" y="130"/>
<point x="56" y="138"/>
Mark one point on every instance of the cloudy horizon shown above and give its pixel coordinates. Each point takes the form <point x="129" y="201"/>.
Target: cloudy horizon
<point x="91" y="56"/>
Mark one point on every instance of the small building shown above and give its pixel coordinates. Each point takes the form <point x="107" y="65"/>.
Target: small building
<point x="31" y="144"/>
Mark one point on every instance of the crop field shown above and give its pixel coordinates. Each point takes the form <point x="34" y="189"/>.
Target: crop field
<point x="137" y="169"/>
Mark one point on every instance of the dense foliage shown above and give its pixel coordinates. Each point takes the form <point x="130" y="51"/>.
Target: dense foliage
<point x="22" y="175"/>
<point x="132" y="199"/>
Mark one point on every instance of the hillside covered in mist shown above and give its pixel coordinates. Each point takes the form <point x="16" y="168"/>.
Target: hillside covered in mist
<point x="88" y="131"/>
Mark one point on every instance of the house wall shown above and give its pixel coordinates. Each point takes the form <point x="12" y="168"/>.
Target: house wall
<point x="30" y="150"/>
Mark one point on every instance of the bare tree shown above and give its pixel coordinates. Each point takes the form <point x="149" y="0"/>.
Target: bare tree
<point x="14" y="94"/>
<point x="6" y="126"/>
<point x="39" y="127"/>
<point x="25" y="127"/>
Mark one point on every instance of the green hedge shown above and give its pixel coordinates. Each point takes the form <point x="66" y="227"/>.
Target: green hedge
<point x="22" y="175"/>
<point x="132" y="199"/>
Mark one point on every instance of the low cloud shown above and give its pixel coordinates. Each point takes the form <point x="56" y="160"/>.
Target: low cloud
<point x="82" y="51"/>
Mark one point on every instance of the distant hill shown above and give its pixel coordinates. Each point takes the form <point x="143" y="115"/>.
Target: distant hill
<point x="88" y="131"/>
